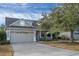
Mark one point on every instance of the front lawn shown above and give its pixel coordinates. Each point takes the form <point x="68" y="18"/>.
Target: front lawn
<point x="6" y="50"/>
<point x="65" y="45"/>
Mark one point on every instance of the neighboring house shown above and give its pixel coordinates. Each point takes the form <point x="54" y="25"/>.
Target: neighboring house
<point x="20" y="30"/>
<point x="68" y="34"/>
<point x="76" y="34"/>
<point x="65" y="34"/>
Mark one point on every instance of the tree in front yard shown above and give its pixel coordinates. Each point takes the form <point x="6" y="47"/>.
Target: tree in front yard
<point x="64" y="18"/>
<point x="45" y="23"/>
<point x="2" y="33"/>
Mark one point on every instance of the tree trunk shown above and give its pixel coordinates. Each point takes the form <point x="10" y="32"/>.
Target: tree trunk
<point x="72" y="38"/>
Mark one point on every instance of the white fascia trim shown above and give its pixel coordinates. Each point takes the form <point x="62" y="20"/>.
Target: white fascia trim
<point x="8" y="34"/>
<point x="34" y="36"/>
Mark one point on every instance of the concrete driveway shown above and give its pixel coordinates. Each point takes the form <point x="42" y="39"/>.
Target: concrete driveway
<point x="37" y="49"/>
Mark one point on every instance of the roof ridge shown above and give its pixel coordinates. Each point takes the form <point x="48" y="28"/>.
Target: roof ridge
<point x="21" y="19"/>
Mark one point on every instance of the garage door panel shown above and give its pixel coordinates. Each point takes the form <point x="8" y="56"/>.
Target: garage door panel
<point x="22" y="37"/>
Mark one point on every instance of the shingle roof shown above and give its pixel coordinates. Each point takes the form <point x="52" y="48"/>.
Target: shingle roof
<point x="10" y="20"/>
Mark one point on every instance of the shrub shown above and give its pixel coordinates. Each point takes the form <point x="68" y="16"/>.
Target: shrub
<point x="63" y="37"/>
<point x="4" y="42"/>
<point x="55" y="35"/>
<point x="2" y="35"/>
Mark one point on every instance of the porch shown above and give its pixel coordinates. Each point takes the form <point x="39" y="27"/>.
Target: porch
<point x="45" y="35"/>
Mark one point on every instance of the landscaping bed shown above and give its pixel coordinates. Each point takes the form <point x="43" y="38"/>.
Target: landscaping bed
<point x="63" y="44"/>
<point x="6" y="50"/>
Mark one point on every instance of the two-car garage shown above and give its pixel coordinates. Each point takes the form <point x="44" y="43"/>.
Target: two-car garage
<point x="20" y="30"/>
<point x="21" y="35"/>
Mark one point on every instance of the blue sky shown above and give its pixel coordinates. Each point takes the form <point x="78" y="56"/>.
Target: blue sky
<point x="24" y="10"/>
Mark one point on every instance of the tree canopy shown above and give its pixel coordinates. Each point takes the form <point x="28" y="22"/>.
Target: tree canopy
<point x="64" y="18"/>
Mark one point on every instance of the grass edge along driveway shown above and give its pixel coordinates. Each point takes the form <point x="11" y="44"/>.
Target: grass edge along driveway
<point x="64" y="45"/>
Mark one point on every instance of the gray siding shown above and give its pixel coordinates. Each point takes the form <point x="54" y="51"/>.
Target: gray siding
<point x="76" y="35"/>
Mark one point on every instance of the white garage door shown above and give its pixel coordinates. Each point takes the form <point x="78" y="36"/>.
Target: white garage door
<point x="17" y="37"/>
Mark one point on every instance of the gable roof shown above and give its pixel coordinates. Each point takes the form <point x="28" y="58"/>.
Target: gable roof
<point x="9" y="20"/>
<point x="15" y="22"/>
